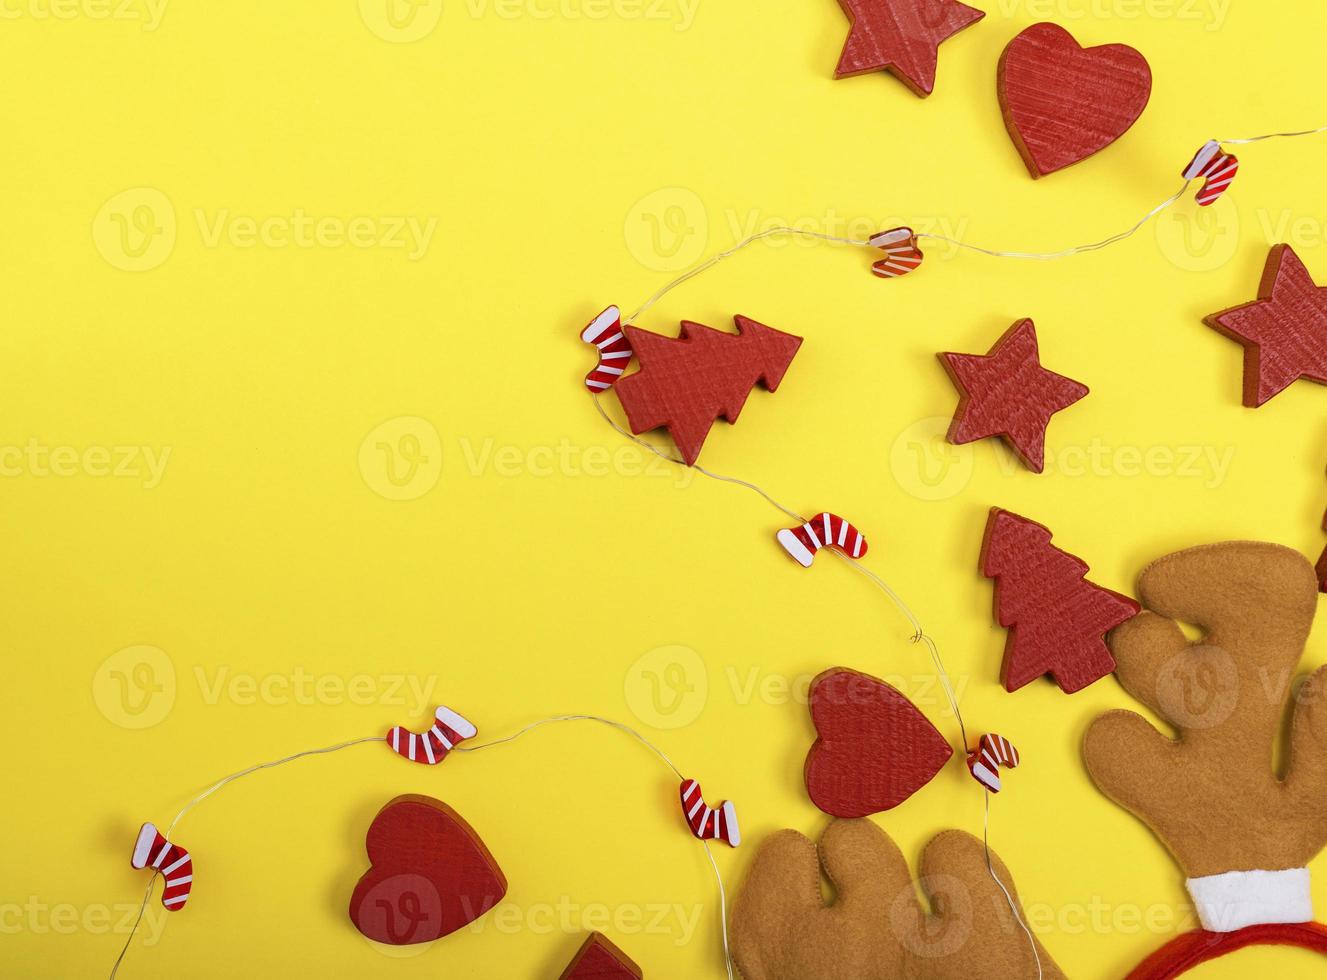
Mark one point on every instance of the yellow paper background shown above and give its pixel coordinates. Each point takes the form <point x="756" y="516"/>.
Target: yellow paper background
<point x="573" y="153"/>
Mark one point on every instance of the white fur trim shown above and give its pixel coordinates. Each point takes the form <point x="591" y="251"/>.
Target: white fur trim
<point x="1231" y="901"/>
<point x="795" y="548"/>
<point x="147" y="836"/>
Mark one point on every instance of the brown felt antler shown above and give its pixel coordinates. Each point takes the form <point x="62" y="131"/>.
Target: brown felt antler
<point x="1242" y="835"/>
<point x="876" y="929"/>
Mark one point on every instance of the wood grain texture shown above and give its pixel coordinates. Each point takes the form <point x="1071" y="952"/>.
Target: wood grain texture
<point x="1062" y="102"/>
<point x="1057" y="620"/>
<point x="1007" y="393"/>
<point x="874" y="750"/>
<point x="687" y="382"/>
<point x="429" y="875"/>
<point x="599" y="959"/>
<point x="901" y="37"/>
<point x="1283" y="331"/>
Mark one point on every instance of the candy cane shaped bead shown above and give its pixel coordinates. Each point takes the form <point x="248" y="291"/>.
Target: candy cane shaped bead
<point x="901" y="253"/>
<point x="605" y="333"/>
<point x="432" y="746"/>
<point x="984" y="762"/>
<point x="1216" y="167"/>
<point x="825" y="530"/>
<point x="707" y="823"/>
<point x="152" y="850"/>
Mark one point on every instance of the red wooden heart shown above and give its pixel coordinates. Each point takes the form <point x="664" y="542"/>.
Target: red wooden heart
<point x="430" y="874"/>
<point x="875" y="748"/>
<point x="1062" y="102"/>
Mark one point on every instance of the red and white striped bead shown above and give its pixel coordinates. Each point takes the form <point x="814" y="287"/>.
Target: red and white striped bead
<point x="1216" y="167"/>
<point x="708" y="823"/>
<point x="605" y="333"/>
<point x="432" y="747"/>
<point x="822" y="531"/>
<point x="901" y="252"/>
<point x="984" y="762"/>
<point x="171" y="861"/>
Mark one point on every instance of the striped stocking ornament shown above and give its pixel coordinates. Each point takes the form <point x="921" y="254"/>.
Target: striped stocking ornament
<point x="705" y="822"/>
<point x="822" y="531"/>
<point x="432" y="747"/>
<point x="1216" y="167"/>
<point x="152" y="850"/>
<point x="901" y="253"/>
<point x="984" y="762"/>
<point x="605" y="333"/>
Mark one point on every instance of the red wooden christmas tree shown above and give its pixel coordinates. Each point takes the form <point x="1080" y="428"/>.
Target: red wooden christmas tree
<point x="703" y="374"/>
<point x="1055" y="617"/>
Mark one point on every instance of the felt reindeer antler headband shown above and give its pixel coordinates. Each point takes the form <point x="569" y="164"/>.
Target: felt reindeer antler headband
<point x="1242" y="835"/>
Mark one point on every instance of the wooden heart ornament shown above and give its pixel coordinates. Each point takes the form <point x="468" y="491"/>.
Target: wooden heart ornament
<point x="875" y="749"/>
<point x="430" y="874"/>
<point x="1063" y="102"/>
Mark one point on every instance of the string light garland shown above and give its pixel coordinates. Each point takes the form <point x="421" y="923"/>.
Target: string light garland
<point x="1211" y="165"/>
<point x="1215" y="168"/>
<point x="479" y="747"/>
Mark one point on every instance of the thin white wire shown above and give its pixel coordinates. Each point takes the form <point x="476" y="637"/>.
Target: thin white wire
<point x="558" y="718"/>
<point x="723" y="895"/>
<point x="714" y="260"/>
<point x="1272" y="136"/>
<point x="1065" y="252"/>
<point x="224" y="781"/>
<point x="956" y="242"/>
<point x="1013" y="906"/>
<point x="919" y="636"/>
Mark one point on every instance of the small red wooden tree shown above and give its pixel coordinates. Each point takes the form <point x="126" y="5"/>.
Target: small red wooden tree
<point x="685" y="383"/>
<point x="1056" y="619"/>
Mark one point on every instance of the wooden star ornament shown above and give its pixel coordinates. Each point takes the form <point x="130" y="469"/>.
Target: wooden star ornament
<point x="1008" y="393"/>
<point x="1284" y="331"/>
<point x="901" y="37"/>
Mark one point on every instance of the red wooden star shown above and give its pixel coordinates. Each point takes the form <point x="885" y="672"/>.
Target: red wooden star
<point x="902" y="37"/>
<point x="1008" y="393"/>
<point x="1284" y="331"/>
